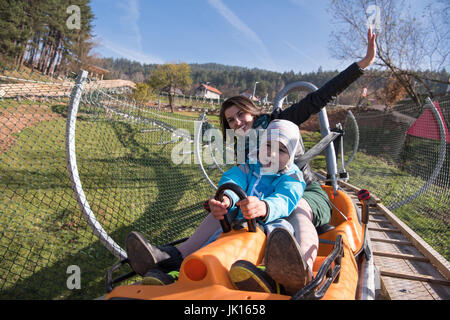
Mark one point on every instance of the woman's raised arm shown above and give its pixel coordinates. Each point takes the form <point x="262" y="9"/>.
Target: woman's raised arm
<point x="314" y="101"/>
<point x="371" y="50"/>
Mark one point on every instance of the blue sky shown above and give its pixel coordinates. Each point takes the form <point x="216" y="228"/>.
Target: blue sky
<point x="279" y="35"/>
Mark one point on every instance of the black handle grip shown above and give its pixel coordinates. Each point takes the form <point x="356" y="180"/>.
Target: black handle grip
<point x="226" y="227"/>
<point x="109" y="279"/>
<point x="363" y="196"/>
<point x="225" y="224"/>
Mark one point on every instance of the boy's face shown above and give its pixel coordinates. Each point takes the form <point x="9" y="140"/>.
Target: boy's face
<point x="273" y="156"/>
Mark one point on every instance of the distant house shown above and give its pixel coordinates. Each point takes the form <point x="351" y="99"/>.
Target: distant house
<point x="206" y="91"/>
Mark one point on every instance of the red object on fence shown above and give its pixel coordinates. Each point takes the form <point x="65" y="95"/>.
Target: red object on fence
<point x="364" y="93"/>
<point x="426" y="126"/>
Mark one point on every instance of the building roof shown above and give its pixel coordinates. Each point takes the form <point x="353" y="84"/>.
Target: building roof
<point x="209" y="88"/>
<point x="97" y="69"/>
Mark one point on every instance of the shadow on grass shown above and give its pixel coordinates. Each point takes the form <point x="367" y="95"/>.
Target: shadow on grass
<point x="175" y="209"/>
<point x="94" y="260"/>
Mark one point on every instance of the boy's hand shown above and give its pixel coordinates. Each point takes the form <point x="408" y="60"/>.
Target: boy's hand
<point x="219" y="209"/>
<point x="252" y="208"/>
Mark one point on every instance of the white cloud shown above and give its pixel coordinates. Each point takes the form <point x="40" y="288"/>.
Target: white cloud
<point x="248" y="33"/>
<point x="130" y="19"/>
<point x="130" y="53"/>
<point x="235" y="21"/>
<point x="300" y="52"/>
<point x="132" y="49"/>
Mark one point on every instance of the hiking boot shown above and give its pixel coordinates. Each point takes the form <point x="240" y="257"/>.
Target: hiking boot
<point x="144" y="256"/>
<point x="156" y="277"/>
<point x="284" y="261"/>
<point x="246" y="276"/>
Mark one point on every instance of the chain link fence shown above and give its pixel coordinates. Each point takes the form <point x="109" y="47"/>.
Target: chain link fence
<point x="404" y="159"/>
<point x="123" y="154"/>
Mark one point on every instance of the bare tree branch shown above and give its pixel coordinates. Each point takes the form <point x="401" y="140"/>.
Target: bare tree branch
<point x="414" y="49"/>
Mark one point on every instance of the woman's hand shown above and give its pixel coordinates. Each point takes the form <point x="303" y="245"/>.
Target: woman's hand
<point x="219" y="209"/>
<point x="371" y="50"/>
<point x="252" y="208"/>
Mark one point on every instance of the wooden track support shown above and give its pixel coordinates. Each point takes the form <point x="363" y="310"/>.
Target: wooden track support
<point x="409" y="268"/>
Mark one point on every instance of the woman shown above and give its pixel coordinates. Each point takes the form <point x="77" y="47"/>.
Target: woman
<point x="292" y="267"/>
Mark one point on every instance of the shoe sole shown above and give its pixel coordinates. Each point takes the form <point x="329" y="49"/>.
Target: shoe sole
<point x="157" y="278"/>
<point x="247" y="277"/>
<point x="284" y="261"/>
<point x="139" y="253"/>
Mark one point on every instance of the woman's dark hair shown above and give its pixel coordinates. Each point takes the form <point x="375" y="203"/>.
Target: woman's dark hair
<point x="243" y="103"/>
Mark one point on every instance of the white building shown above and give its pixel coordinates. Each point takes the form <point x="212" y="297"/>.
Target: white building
<point x="208" y="92"/>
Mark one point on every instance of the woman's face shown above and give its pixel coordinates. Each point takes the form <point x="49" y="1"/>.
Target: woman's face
<point x="239" y="121"/>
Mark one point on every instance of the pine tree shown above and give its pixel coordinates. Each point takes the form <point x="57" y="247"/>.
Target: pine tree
<point x="35" y="33"/>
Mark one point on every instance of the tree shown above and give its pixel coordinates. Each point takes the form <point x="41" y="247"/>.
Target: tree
<point x="390" y="93"/>
<point x="78" y="43"/>
<point x="14" y="29"/>
<point x="142" y="93"/>
<point x="173" y="76"/>
<point x="406" y="44"/>
<point x="36" y="33"/>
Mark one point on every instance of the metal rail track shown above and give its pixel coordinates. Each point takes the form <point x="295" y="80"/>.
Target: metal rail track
<point x="409" y="269"/>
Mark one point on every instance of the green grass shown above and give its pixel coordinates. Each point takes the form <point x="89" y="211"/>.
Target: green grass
<point x="427" y="215"/>
<point x="131" y="184"/>
<point x="26" y="73"/>
<point x="179" y="101"/>
<point x="309" y="140"/>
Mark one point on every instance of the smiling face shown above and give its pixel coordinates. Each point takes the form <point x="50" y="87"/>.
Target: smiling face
<point x="274" y="156"/>
<point x="239" y="121"/>
<point x="238" y="113"/>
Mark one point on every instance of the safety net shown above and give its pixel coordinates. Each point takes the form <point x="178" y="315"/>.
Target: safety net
<point x="73" y="183"/>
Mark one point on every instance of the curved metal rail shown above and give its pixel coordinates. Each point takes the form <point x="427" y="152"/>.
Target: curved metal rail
<point x="197" y="144"/>
<point x="90" y="217"/>
<point x="440" y="162"/>
<point x="323" y="122"/>
<point x="83" y="203"/>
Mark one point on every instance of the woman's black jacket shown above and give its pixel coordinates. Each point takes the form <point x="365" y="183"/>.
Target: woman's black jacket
<point x="315" y="101"/>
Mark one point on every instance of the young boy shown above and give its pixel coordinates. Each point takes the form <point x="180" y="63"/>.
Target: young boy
<point x="274" y="185"/>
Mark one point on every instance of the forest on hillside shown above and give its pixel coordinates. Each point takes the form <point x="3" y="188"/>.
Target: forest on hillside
<point x="55" y="38"/>
<point x="232" y="80"/>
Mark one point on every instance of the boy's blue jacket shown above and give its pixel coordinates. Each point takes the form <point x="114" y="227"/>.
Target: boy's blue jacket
<point x="281" y="191"/>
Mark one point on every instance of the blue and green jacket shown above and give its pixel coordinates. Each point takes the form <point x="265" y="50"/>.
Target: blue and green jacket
<point x="280" y="191"/>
